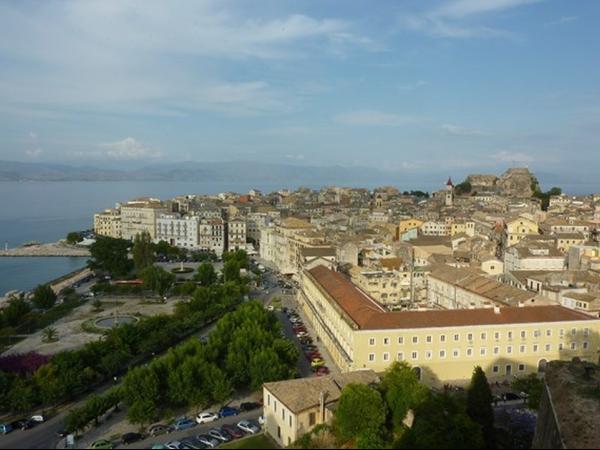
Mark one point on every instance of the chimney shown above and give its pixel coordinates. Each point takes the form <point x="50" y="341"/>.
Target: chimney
<point x="322" y="406"/>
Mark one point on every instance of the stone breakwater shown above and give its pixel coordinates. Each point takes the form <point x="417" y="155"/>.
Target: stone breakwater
<point x="52" y="249"/>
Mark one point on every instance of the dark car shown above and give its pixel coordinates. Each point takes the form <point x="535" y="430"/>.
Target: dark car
<point x="233" y="430"/>
<point x="130" y="438"/>
<point x="23" y="424"/>
<point x="228" y="411"/>
<point x="62" y="433"/>
<point x="249" y="406"/>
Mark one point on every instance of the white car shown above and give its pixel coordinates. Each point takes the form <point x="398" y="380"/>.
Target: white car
<point x="206" y="417"/>
<point x="38" y="418"/>
<point x="248" y="427"/>
<point x="175" y="445"/>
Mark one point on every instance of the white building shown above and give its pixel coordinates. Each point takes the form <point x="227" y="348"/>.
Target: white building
<point x="178" y="231"/>
<point x="236" y="234"/>
<point x="211" y="235"/>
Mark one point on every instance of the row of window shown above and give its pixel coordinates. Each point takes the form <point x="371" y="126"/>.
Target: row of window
<point x="482" y="351"/>
<point x="482" y="336"/>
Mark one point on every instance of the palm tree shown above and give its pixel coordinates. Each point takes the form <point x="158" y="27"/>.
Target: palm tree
<point x="50" y="335"/>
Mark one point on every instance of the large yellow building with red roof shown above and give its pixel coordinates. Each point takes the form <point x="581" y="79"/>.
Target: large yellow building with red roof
<point x="443" y="345"/>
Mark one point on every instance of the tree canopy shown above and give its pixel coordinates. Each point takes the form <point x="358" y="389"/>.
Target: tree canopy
<point x="479" y="405"/>
<point x="44" y="297"/>
<point x="143" y="251"/>
<point x="110" y="255"/>
<point x="360" y="413"/>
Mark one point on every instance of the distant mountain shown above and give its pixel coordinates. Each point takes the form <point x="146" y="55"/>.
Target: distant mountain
<point x="240" y="171"/>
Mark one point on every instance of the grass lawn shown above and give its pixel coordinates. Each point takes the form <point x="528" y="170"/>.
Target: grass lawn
<point x="259" y="441"/>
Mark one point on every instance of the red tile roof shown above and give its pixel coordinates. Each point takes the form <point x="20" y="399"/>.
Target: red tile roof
<point x="369" y="315"/>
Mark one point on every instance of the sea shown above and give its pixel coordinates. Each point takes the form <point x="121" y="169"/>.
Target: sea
<point x="47" y="211"/>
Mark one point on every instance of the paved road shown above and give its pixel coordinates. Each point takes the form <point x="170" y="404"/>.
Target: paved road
<point x="42" y="436"/>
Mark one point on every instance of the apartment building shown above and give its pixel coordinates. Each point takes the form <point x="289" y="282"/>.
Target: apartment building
<point x="108" y="223"/>
<point x="177" y="230"/>
<point x="454" y="288"/>
<point x="236" y="234"/>
<point x="293" y="408"/>
<point x="140" y="215"/>
<point x="442" y="345"/>
<point x="534" y="257"/>
<point x="211" y="235"/>
<point x="517" y="229"/>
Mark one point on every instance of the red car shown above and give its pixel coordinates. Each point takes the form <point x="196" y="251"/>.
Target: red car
<point x="297" y="329"/>
<point x="321" y="371"/>
<point x="234" y="431"/>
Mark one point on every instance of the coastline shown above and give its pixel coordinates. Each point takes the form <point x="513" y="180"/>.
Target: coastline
<point x="53" y="249"/>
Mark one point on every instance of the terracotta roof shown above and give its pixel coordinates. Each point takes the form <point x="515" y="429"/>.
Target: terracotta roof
<point x="368" y="315"/>
<point x="303" y="393"/>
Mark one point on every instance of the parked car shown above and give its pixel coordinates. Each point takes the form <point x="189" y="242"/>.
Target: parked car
<point x="228" y="411"/>
<point x="317" y="362"/>
<point x="175" y="445"/>
<point x="159" y="429"/>
<point x="233" y="430"/>
<point x="62" y="433"/>
<point x="23" y="424"/>
<point x="206" y="417"/>
<point x="249" y="426"/>
<point x="323" y="370"/>
<point x="5" y="428"/>
<point x="184" y="423"/>
<point x="249" y="406"/>
<point x="130" y="438"/>
<point x="208" y="440"/>
<point x="102" y="443"/>
<point x="159" y="447"/>
<point x="220" y="434"/>
<point x="39" y="418"/>
<point x="192" y="442"/>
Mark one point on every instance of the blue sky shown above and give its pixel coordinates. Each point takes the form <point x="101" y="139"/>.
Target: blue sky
<point x="460" y="85"/>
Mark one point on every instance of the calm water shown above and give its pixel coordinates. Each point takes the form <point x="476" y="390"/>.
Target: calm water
<point x="46" y="212"/>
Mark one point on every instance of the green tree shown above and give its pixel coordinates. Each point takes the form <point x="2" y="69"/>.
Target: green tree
<point x="440" y="422"/>
<point x="14" y="312"/>
<point x="44" y="297"/>
<point x="532" y="386"/>
<point x="479" y="405"/>
<point x="401" y="391"/>
<point x="22" y="396"/>
<point x="206" y="275"/>
<point x="360" y="412"/>
<point x="231" y="271"/>
<point x="157" y="279"/>
<point x="143" y="251"/>
<point x="110" y="255"/>
<point x="50" y="334"/>
<point x="74" y="238"/>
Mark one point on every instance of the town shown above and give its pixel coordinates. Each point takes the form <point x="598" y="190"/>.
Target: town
<point x="412" y="293"/>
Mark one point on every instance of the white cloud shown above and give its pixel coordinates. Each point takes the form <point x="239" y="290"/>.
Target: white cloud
<point x="455" y="19"/>
<point x="513" y="157"/>
<point x="128" y="148"/>
<point x="562" y="20"/>
<point x="374" y="118"/>
<point x="34" y="152"/>
<point x="456" y="130"/>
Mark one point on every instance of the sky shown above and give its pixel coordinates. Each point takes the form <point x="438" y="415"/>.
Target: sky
<point x="476" y="85"/>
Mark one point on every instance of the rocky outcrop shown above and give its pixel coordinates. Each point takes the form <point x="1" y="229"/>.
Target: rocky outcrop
<point x="517" y="182"/>
<point x="482" y="183"/>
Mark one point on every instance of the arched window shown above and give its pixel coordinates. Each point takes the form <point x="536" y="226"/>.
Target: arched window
<point x="542" y="365"/>
<point x="417" y="372"/>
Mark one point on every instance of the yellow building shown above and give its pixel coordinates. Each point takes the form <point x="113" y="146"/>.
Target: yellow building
<point x="108" y="223"/>
<point x="409" y="224"/>
<point x="442" y="345"/>
<point x="140" y="215"/>
<point x="516" y="229"/>
<point x="293" y="408"/>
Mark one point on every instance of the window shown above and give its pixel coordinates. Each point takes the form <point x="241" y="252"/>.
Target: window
<point x="312" y="419"/>
<point x="415" y="355"/>
<point x="386" y="341"/>
<point x="268" y="399"/>
<point x="537" y="333"/>
<point x="290" y="420"/>
<point x="283" y="414"/>
<point x="483" y="336"/>
<point x="401" y="340"/>
<point x="521" y="367"/>
<point x="495" y="369"/>
<point x="548" y="347"/>
<point x="522" y="348"/>
<point x="509" y="349"/>
<point x="470" y="337"/>
<point x="386" y="356"/>
<point x="455" y="353"/>
<point x="456" y="337"/>
<point x="510" y="335"/>
<point x="469" y="352"/>
<point x="371" y="357"/>
<point x="573" y="345"/>
<point x="548" y="333"/>
<point x="371" y="341"/>
<point x="275" y="406"/>
<point x="585" y="345"/>
<point x="496" y="335"/>
<point x="573" y="332"/>
<point x="535" y="347"/>
<point x="415" y="340"/>
<point x="400" y="356"/>
<point x="429" y="339"/>
<point x="586" y="332"/>
<point x="428" y="354"/>
<point x="482" y="351"/>
<point x="561" y="346"/>
<point x="496" y="350"/>
<point x="442" y="353"/>
<point x="523" y="334"/>
<point x="561" y="332"/>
